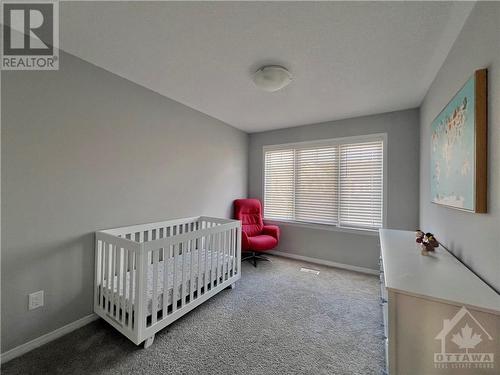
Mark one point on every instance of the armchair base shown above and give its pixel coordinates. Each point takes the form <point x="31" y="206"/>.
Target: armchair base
<point x="254" y="257"/>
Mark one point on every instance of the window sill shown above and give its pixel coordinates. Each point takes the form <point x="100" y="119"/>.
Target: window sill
<point x="333" y="228"/>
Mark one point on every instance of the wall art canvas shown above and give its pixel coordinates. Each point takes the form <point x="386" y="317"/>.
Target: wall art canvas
<point x="458" y="148"/>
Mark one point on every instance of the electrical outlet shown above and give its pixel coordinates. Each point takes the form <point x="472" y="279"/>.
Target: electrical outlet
<point x="35" y="300"/>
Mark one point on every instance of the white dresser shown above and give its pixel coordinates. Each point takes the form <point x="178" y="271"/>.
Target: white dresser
<point x="439" y="317"/>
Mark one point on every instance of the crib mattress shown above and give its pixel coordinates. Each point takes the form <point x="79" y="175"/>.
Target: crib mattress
<point x="184" y="277"/>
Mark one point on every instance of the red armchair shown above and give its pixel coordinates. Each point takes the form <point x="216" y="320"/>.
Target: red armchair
<point x="255" y="236"/>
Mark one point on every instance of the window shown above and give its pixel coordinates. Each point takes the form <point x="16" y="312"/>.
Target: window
<point x="279" y="177"/>
<point x="335" y="182"/>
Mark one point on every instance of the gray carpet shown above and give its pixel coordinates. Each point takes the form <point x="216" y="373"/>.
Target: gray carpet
<point x="277" y="320"/>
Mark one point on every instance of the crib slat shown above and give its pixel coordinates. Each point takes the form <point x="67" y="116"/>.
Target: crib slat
<point x="113" y="270"/>
<point x="154" y="307"/>
<point x="118" y="281"/>
<point x="199" y="244"/>
<point x="174" y="286"/>
<point x="185" y="256"/>
<point x="97" y="272"/>
<point x="159" y="235"/>
<point x="191" y="270"/>
<point x="103" y="268"/>
<point x="224" y="249"/>
<point x="207" y="254"/>
<point x="147" y="237"/>
<point x="224" y="246"/>
<point x="137" y="300"/>
<point x="227" y="258"/>
<point x="123" y="296"/>
<point x="228" y="253"/>
<point x="208" y="274"/>
<point x="106" y="276"/>
<point x="217" y="259"/>
<point x="205" y="265"/>
<point x="131" y="289"/>
<point x="238" y="246"/>
<point x="235" y="231"/>
<point x="215" y="253"/>
<point x="109" y="290"/>
<point x="121" y="293"/>
<point x="220" y="257"/>
<point x="184" y="273"/>
<point x="166" y="259"/>
<point x="224" y="258"/>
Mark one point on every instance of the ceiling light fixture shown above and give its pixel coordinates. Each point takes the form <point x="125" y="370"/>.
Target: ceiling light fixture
<point x="272" y="78"/>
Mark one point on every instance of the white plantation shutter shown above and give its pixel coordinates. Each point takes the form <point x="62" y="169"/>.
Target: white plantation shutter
<point x="361" y="190"/>
<point x="316" y="185"/>
<point x="279" y="184"/>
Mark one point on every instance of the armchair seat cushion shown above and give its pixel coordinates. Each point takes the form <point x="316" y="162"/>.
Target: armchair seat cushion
<point x="262" y="242"/>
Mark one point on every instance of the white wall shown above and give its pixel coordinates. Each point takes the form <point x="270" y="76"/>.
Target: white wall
<point x="83" y="149"/>
<point x="475" y="238"/>
<point x="360" y="250"/>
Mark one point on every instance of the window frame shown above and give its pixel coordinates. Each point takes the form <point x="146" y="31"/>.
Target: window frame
<point x="332" y="142"/>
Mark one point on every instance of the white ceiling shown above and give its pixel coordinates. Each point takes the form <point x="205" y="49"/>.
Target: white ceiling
<point x="347" y="59"/>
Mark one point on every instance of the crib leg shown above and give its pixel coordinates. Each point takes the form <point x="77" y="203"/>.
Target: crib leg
<point x="149" y="341"/>
<point x="232" y="286"/>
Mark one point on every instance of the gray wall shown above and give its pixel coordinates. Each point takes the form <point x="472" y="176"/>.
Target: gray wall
<point x="475" y="238"/>
<point x="361" y="250"/>
<point x="83" y="149"/>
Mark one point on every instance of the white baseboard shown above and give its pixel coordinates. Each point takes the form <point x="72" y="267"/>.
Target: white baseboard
<point x="48" y="337"/>
<point x="324" y="262"/>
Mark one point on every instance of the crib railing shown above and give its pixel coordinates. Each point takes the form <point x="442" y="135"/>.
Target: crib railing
<point x="194" y="258"/>
<point x="113" y="259"/>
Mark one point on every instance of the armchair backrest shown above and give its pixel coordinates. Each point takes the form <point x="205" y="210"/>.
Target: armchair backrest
<point x="249" y="212"/>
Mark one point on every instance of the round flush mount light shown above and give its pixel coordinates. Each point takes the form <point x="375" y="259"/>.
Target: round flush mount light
<point x="272" y="78"/>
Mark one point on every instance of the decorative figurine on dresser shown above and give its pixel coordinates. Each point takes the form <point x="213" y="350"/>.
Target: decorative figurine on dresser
<point x="427" y="241"/>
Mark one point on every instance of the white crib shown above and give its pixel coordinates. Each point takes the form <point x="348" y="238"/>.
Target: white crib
<point x="149" y="275"/>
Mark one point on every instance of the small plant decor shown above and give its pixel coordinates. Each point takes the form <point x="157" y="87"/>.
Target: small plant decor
<point x="427" y="241"/>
